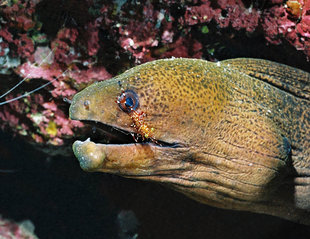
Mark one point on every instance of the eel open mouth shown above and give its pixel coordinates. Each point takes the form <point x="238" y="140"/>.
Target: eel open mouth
<point x="115" y="147"/>
<point x="106" y="134"/>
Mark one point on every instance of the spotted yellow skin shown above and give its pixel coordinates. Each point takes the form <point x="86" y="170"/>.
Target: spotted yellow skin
<point x="241" y="126"/>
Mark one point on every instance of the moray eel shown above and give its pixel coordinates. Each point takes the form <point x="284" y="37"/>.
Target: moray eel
<point x="233" y="134"/>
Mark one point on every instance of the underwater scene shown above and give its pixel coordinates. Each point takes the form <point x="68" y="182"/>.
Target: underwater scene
<point x="154" y="119"/>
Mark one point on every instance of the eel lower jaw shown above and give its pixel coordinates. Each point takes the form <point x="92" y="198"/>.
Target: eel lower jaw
<point x="125" y="152"/>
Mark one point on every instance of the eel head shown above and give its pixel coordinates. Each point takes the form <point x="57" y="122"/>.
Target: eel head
<point x="173" y="121"/>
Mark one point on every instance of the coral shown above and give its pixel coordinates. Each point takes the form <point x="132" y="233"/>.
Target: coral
<point x="42" y="117"/>
<point x="72" y="44"/>
<point x="157" y="29"/>
<point x="290" y="22"/>
<point x="9" y="229"/>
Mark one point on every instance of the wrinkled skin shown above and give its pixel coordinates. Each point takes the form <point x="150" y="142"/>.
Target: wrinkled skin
<point x="233" y="134"/>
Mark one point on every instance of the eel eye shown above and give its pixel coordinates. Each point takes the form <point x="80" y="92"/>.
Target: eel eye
<point x="128" y="101"/>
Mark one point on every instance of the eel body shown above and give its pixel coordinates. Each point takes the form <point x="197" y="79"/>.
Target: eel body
<point x="233" y="134"/>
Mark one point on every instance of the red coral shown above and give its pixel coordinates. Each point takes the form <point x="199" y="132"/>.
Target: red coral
<point x="6" y="35"/>
<point x="3" y="47"/>
<point x="279" y="24"/>
<point x="24" y="23"/>
<point x="92" y="74"/>
<point x="236" y="14"/>
<point x="45" y="71"/>
<point x="6" y="116"/>
<point x="13" y="230"/>
<point x="25" y="47"/>
<point x="138" y="44"/>
<point x="93" y="39"/>
<point x="62" y="46"/>
<point x="50" y="105"/>
<point x="201" y="14"/>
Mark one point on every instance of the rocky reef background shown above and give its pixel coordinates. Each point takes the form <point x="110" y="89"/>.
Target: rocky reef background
<point x="69" y="44"/>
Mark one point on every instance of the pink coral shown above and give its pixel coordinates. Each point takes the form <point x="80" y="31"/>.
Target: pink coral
<point x="9" y="229"/>
<point x="6" y="116"/>
<point x="139" y="44"/>
<point x="24" y="22"/>
<point x="6" y="35"/>
<point x="279" y="24"/>
<point x="25" y="47"/>
<point x="93" y="39"/>
<point x="201" y="14"/>
<point x="98" y="73"/>
<point x="236" y="14"/>
<point x="62" y="46"/>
